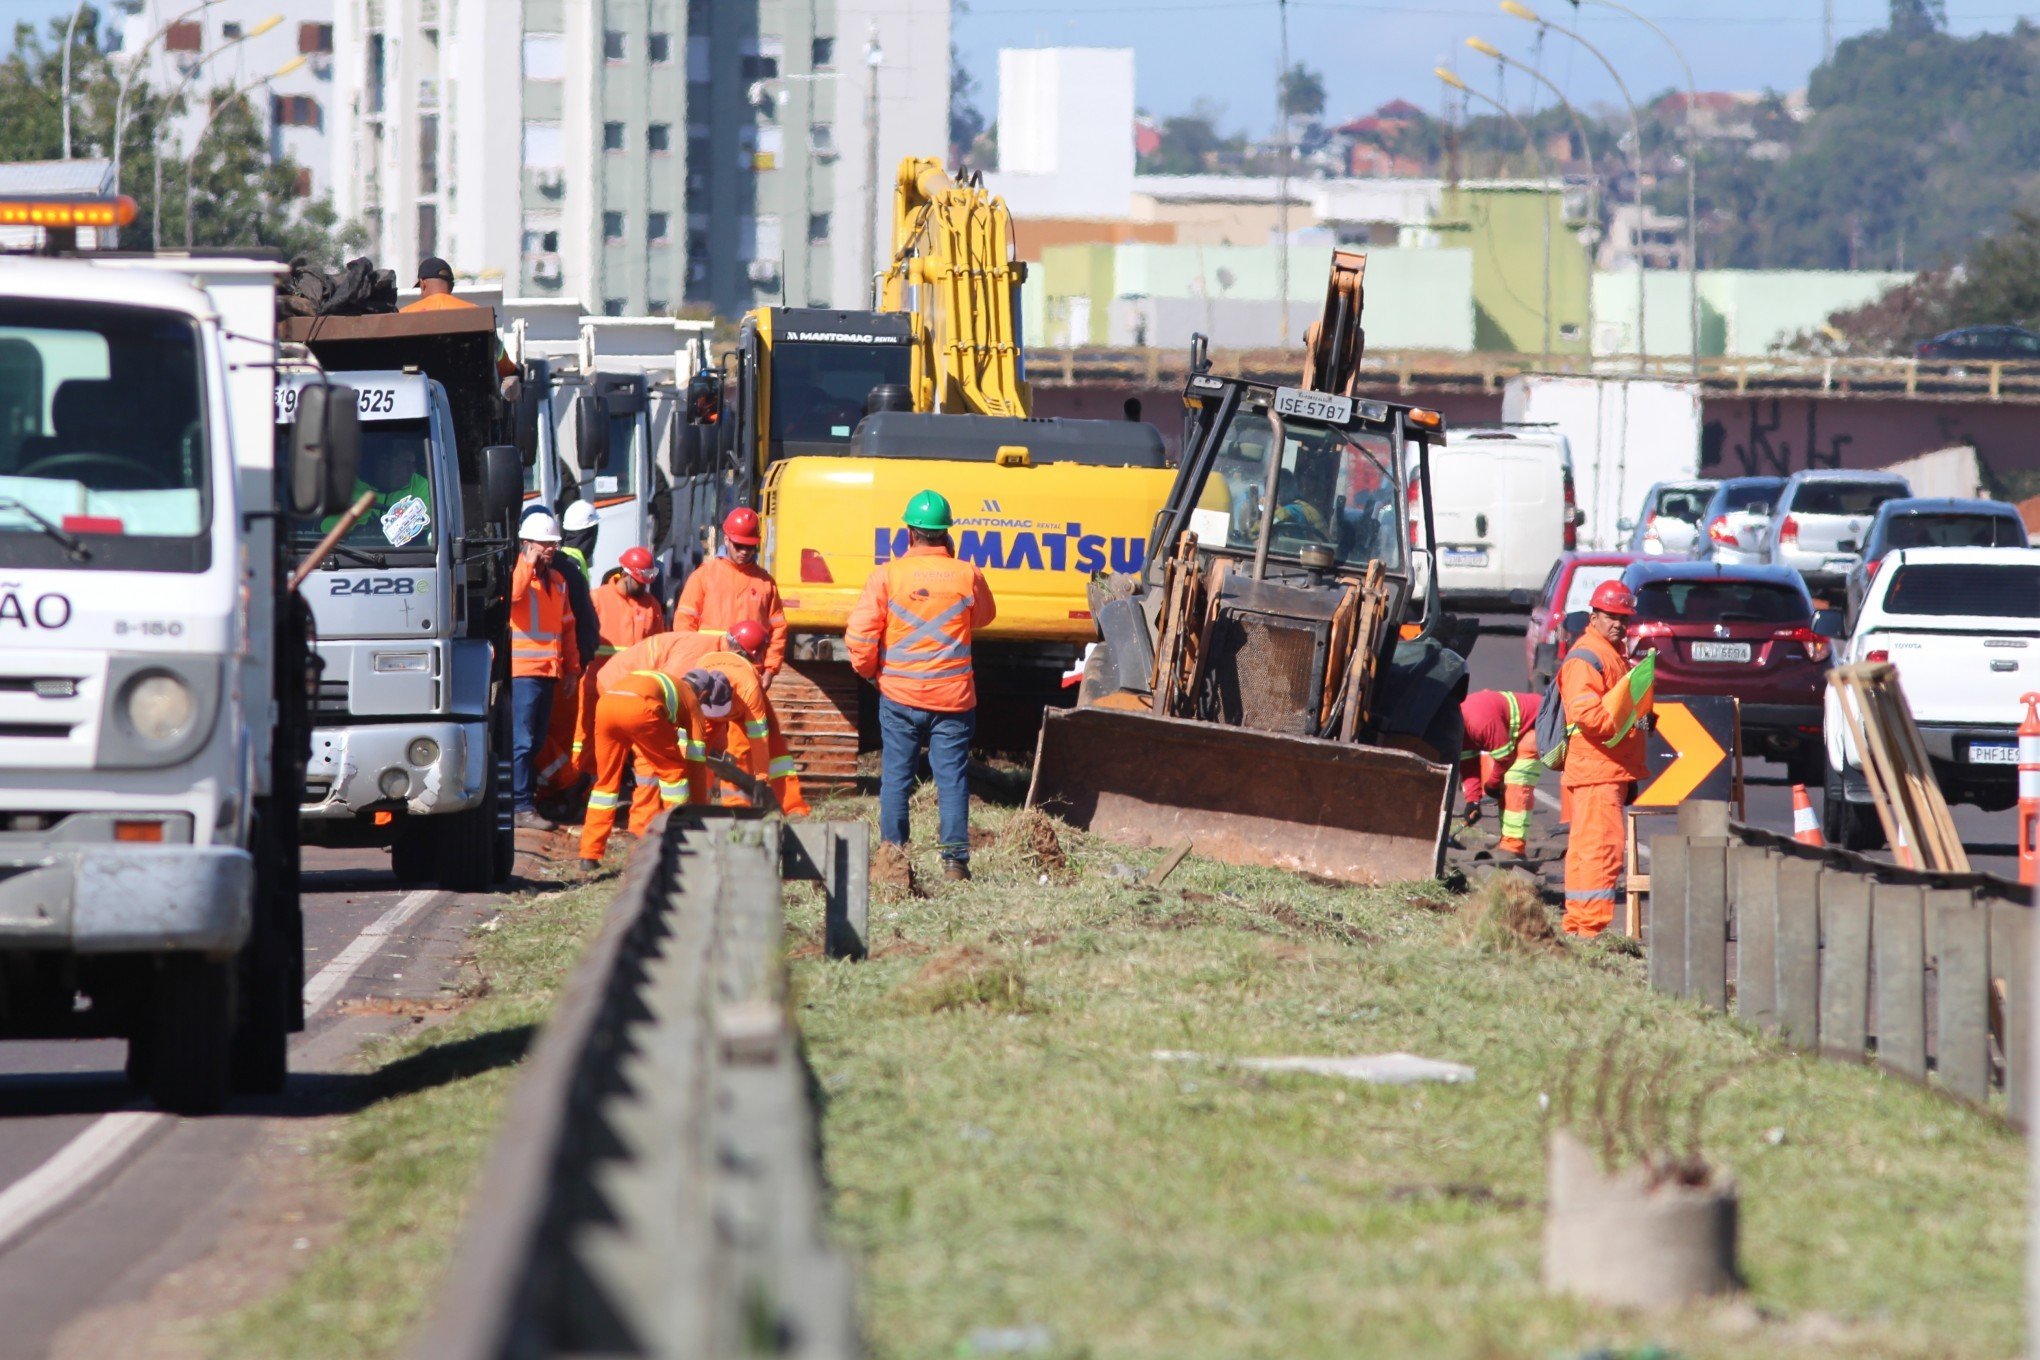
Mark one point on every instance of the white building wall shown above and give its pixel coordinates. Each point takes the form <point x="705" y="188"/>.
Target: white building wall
<point x="1068" y="112"/>
<point x="480" y="143"/>
<point x="913" y="120"/>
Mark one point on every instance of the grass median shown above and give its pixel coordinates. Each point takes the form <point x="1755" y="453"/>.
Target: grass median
<point x="1017" y="1170"/>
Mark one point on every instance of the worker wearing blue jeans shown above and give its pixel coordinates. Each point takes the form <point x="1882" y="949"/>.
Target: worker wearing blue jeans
<point x="904" y="730"/>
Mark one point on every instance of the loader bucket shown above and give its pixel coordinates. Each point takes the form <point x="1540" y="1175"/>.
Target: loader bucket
<point x="1359" y="814"/>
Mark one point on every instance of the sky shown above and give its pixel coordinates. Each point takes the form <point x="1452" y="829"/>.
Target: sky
<point x="1371" y="51"/>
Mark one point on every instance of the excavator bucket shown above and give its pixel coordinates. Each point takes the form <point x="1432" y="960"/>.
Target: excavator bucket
<point x="1359" y="814"/>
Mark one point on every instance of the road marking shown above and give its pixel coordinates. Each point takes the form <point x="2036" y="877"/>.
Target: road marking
<point x="107" y="1140"/>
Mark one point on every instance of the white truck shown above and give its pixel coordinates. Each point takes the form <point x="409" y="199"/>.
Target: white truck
<point x="154" y="665"/>
<point x="1625" y="435"/>
<point x="1962" y="625"/>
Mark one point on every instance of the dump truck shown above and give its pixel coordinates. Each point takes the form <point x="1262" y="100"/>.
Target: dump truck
<point x="1269" y="686"/>
<point x="831" y="420"/>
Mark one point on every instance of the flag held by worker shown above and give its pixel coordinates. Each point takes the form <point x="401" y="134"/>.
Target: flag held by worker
<point x="1633" y="699"/>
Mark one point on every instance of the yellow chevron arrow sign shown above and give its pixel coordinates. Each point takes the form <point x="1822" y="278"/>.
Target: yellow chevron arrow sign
<point x="1699" y="754"/>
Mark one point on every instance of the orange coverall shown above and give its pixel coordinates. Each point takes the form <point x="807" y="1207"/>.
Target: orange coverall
<point x="623" y="620"/>
<point x="1596" y="779"/>
<point x="1500" y="757"/>
<point x="720" y="592"/>
<point x="751" y="736"/>
<point x="656" y="716"/>
<point x="673" y="654"/>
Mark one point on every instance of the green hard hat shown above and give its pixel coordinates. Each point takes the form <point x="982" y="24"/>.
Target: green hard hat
<point x="928" y="510"/>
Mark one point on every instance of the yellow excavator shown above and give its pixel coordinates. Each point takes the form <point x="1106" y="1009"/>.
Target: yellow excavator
<point x="832" y="420"/>
<point x="1270" y="684"/>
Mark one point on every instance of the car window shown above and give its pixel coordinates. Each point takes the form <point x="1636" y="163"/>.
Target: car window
<point x="1953" y="588"/>
<point x="2021" y="343"/>
<point x="1682" y="504"/>
<point x="1749" y="496"/>
<point x="1720" y="602"/>
<point x="1550" y="582"/>
<point x="1954" y="531"/>
<point x="1843" y="498"/>
<point x="1581" y="588"/>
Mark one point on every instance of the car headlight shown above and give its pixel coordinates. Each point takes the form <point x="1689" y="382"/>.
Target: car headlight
<point x="160" y="708"/>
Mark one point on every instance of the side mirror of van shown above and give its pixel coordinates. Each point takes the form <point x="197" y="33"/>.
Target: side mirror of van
<point x="591" y="431"/>
<point x="502" y="482"/>
<point x="325" y="449"/>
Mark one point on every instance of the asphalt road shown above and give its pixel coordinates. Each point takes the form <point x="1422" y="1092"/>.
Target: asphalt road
<point x="1990" y="837"/>
<point x="100" y="1196"/>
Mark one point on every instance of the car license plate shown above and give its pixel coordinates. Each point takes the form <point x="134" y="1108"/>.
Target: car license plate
<point x="1838" y="563"/>
<point x="1332" y="410"/>
<point x="1993" y="753"/>
<point x="1721" y="651"/>
<point x="1465" y="557"/>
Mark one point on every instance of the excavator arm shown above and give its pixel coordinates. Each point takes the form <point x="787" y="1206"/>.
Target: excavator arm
<point x="1334" y="343"/>
<point x="953" y="271"/>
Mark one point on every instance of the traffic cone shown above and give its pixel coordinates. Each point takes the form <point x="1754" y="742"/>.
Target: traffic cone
<point x="1805" y="826"/>
<point x="2029" y="790"/>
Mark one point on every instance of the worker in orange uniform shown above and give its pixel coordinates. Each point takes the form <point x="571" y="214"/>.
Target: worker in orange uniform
<point x="627" y="611"/>
<point x="751" y="735"/>
<point x="910" y="633"/>
<point x="1603" y="756"/>
<point x="733" y="586"/>
<point x="1499" y="756"/>
<point x="435" y="294"/>
<point x="664" y="721"/>
<point x="543" y="656"/>
<point x="674" y="654"/>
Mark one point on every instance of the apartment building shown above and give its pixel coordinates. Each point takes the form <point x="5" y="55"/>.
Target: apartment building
<point x="639" y="156"/>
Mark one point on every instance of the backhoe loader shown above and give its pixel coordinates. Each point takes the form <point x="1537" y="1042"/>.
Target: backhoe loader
<point x="1258" y="688"/>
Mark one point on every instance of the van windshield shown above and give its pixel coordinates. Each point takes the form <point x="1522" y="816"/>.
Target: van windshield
<point x="1333" y="489"/>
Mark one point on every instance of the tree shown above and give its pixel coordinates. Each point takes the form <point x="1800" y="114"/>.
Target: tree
<point x="966" y="120"/>
<point x="1190" y="143"/>
<point x="1917" y="18"/>
<point x="1302" y="91"/>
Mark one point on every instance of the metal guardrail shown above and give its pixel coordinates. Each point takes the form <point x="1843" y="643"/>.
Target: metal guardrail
<point x="656" y="1189"/>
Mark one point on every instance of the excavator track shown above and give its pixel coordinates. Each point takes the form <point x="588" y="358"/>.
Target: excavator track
<point x="817" y="702"/>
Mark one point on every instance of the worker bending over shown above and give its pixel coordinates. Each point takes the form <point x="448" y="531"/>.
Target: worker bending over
<point x="733" y="586"/>
<point x="751" y="735"/>
<point x="664" y="721"/>
<point x="1603" y="755"/>
<point x="544" y="656"/>
<point x="910" y="633"/>
<point x="1499" y="757"/>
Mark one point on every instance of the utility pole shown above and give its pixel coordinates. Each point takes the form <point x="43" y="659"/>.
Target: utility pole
<point x="1282" y="183"/>
<point x="70" y="41"/>
<point x="1827" y="31"/>
<point x="874" y="57"/>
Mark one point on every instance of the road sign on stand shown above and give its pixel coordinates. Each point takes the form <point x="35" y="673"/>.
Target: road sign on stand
<point x="1694" y="751"/>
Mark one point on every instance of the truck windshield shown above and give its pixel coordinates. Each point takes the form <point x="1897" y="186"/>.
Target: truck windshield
<point x="102" y="425"/>
<point x="617" y="477"/>
<point x="1333" y="490"/>
<point x="396" y="468"/>
<point x="819" y="389"/>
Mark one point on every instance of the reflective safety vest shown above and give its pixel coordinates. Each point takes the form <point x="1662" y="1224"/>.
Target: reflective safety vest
<point x="911" y="630"/>
<point x="541" y="625"/>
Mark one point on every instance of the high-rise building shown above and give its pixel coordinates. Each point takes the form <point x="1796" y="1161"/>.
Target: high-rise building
<point x="637" y="155"/>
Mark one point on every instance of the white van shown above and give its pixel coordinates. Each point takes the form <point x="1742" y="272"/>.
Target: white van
<point x="1503" y="509"/>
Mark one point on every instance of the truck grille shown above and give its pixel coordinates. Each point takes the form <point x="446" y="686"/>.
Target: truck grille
<point x="1267" y="672"/>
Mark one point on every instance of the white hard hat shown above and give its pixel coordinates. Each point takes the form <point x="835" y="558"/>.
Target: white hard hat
<point x="539" y="527"/>
<point x="580" y="515"/>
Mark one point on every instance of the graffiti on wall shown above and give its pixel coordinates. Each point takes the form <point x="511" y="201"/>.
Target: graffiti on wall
<point x="1764" y="447"/>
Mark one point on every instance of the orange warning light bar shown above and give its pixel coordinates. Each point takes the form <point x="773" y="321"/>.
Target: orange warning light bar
<point x="62" y="213"/>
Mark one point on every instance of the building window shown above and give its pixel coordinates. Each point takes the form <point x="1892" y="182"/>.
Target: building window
<point x="428" y="229"/>
<point x="761" y="60"/>
<point x="818" y="227"/>
<point x="697" y="16"/>
<point x="301" y="187"/>
<point x="658" y="228"/>
<point x="659" y="137"/>
<point x="612" y="45"/>
<point x="612" y="136"/>
<point x="612" y="306"/>
<point x="375" y="72"/>
<point x="230" y="30"/>
<point x="544" y="148"/>
<point x="295" y="110"/>
<point x="549" y="242"/>
<point x="822" y="141"/>
<point x="315" y="40"/>
<point x="697" y="63"/>
<point x="545" y="56"/>
<point x="658" y="48"/>
<point x="656" y="307"/>
<point x="184" y="37"/>
<point x="428" y="155"/>
<point x="612" y="226"/>
<point x="824" y="54"/>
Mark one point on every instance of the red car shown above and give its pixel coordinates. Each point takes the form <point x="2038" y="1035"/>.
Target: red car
<point x="1571" y="580"/>
<point x="1742" y="631"/>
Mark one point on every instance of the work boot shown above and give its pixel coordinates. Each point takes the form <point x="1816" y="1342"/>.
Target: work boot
<point x="956" y="871"/>
<point x="1509" y="845"/>
<point x="591" y="866"/>
<point x="890" y="867"/>
<point x="529" y="820"/>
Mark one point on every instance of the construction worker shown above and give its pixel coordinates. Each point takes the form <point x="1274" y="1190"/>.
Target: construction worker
<point x="751" y="735"/>
<point x="435" y="294"/>
<point x="664" y="721"/>
<point x="733" y="586"/>
<point x="627" y="611"/>
<point x="544" y="654"/>
<point x="910" y="633"/>
<point x="558" y="773"/>
<point x="1499" y="756"/>
<point x="1603" y="756"/>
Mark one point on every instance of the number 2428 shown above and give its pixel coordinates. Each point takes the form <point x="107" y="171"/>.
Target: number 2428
<point x="374" y="585"/>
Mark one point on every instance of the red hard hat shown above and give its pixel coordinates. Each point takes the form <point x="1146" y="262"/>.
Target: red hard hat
<point x="749" y="637"/>
<point x="741" y="526"/>
<point x="1612" y="597"/>
<point x="638" y="563"/>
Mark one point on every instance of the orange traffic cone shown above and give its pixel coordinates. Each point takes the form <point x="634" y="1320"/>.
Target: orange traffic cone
<point x="2029" y="790"/>
<point x="1805" y="826"/>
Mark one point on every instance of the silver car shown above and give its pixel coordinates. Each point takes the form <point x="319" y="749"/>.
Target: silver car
<point x="1736" y="526"/>
<point x="1670" y="526"/>
<point x="1821" y="520"/>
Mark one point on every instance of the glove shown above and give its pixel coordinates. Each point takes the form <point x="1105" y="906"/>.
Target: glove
<point x="1472" y="814"/>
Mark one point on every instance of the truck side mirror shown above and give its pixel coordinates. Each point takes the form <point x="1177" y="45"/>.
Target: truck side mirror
<point x="530" y="411"/>
<point x="325" y="449"/>
<point x="502" y="482"/>
<point x="591" y="432"/>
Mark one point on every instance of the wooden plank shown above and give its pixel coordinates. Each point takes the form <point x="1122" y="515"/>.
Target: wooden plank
<point x="1707" y="920"/>
<point x="1797" y="951"/>
<point x="2011" y="966"/>
<point x="1844" y="964"/>
<point x="1899" y="947"/>
<point x="1756" y="924"/>
<point x="1665" y="928"/>
<point x="1961" y="1009"/>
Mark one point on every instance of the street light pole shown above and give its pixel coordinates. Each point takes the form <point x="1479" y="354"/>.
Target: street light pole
<point x="127" y="83"/>
<point x="1692" y="184"/>
<point x="1518" y="9"/>
<point x="1537" y="158"/>
<point x="212" y="115"/>
<point x="70" y="41"/>
<point x="1282" y="181"/>
<point x="156" y="207"/>
<point x="874" y="57"/>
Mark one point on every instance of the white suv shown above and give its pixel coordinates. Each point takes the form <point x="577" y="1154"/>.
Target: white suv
<point x="1821" y="520"/>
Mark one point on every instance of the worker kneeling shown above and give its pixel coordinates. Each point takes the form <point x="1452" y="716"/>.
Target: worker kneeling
<point x="751" y="736"/>
<point x="665" y="721"/>
<point x="1603" y="755"/>
<point x="1500" y="757"/>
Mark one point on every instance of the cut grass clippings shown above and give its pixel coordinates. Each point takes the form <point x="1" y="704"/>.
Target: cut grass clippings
<point x="1009" y="1160"/>
<point x="406" y="1161"/>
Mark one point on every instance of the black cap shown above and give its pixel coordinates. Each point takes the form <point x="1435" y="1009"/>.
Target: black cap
<point x="432" y="267"/>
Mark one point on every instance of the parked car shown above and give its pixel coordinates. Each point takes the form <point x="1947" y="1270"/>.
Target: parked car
<point x="1962" y="625"/>
<point x="1742" y="631"/>
<point x="1669" y="523"/>
<point x="1503" y="506"/>
<point x="1931" y="522"/>
<point x="1821" y="519"/>
<point x="2004" y="343"/>
<point x="1737" y="521"/>
<point x="1567" y="586"/>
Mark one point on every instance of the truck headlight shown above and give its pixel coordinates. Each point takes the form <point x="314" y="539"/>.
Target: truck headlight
<point x="400" y="662"/>
<point x="159" y="707"/>
<point x="422" y="751"/>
